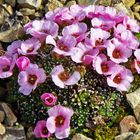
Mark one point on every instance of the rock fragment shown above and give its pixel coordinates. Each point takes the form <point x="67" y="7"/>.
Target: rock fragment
<point x="10" y="117"/>
<point x="128" y="124"/>
<point x="30" y="3"/>
<point x="80" y="137"/>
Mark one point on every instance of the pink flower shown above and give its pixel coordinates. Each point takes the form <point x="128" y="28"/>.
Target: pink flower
<point x="117" y="51"/>
<point x="77" y="30"/>
<point x="41" y="29"/>
<point x="89" y="10"/>
<point x="98" y="37"/>
<point x="131" y="24"/>
<point x="120" y="79"/>
<point x="106" y="12"/>
<point x="90" y="56"/>
<point x="60" y="15"/>
<point x="126" y="36"/>
<point x="62" y="78"/>
<point x="103" y="23"/>
<point x="84" y="54"/>
<point x="29" y="47"/>
<point x="41" y="130"/>
<point x="64" y="46"/>
<point x="66" y="16"/>
<point x="99" y="10"/>
<point x="22" y="62"/>
<point x="77" y="12"/>
<point x="13" y="48"/>
<point x="30" y="78"/>
<point x="110" y="11"/>
<point x="49" y="99"/>
<point x="59" y="121"/>
<point x="102" y="66"/>
<point x="7" y="64"/>
<point x="137" y="60"/>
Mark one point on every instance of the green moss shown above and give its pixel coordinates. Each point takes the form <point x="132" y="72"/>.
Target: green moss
<point x="105" y="133"/>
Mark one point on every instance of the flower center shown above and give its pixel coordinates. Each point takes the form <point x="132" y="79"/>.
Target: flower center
<point x="32" y="79"/>
<point x="75" y="34"/>
<point x="63" y="47"/>
<point x="128" y="26"/>
<point x="99" y="42"/>
<point x="49" y="100"/>
<point x="138" y="63"/>
<point x="44" y="130"/>
<point x="104" y="67"/>
<point x="116" y="54"/>
<point x="59" y="120"/>
<point x="5" y="68"/>
<point x="30" y="50"/>
<point x="117" y="79"/>
<point x="64" y="76"/>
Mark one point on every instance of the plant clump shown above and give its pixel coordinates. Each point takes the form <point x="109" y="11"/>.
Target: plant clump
<point x="72" y="71"/>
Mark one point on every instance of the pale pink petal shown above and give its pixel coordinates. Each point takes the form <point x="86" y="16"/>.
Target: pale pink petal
<point x="6" y="74"/>
<point x="50" y="40"/>
<point x="99" y="33"/>
<point x="74" y="29"/>
<point x="78" y="52"/>
<point x="57" y="81"/>
<point x="57" y="70"/>
<point x="42" y="76"/>
<point x="137" y="54"/>
<point x="74" y="78"/>
<point x="63" y="134"/>
<point x="54" y="110"/>
<point x="69" y="41"/>
<point x="124" y="86"/>
<point x="26" y="89"/>
<point x="51" y="124"/>
<point x="96" y="22"/>
<point x="22" y="77"/>
<point x="137" y="66"/>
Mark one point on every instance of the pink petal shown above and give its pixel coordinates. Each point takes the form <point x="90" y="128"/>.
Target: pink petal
<point x="69" y="41"/>
<point x="54" y="110"/>
<point x="137" y="66"/>
<point x="6" y="74"/>
<point x="50" y="40"/>
<point x="26" y="89"/>
<point x="41" y="75"/>
<point x="63" y="134"/>
<point x="77" y="28"/>
<point x="96" y="22"/>
<point x="99" y="33"/>
<point x="22" y="62"/>
<point x="75" y="77"/>
<point x="22" y="78"/>
<point x="57" y="70"/>
<point x="51" y="124"/>
<point x="137" y="54"/>
<point x="57" y="81"/>
<point x="78" y="52"/>
<point x="124" y="86"/>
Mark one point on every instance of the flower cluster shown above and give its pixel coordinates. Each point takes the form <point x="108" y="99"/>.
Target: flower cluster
<point x="96" y="36"/>
<point x="58" y="123"/>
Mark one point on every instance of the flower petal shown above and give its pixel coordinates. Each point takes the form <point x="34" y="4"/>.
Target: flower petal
<point x="51" y="124"/>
